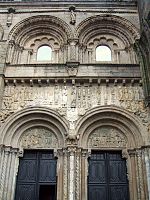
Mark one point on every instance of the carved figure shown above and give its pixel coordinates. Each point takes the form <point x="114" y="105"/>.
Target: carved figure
<point x="39" y="138"/>
<point x="72" y="15"/>
<point x="106" y="137"/>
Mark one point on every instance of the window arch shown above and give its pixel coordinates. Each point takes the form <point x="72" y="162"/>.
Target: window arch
<point x="103" y="53"/>
<point x="44" y="53"/>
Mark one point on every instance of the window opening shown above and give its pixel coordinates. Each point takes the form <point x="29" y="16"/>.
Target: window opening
<point x="44" y="53"/>
<point x="103" y="53"/>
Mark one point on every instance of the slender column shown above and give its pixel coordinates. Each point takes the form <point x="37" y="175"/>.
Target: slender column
<point x="20" y="54"/>
<point x="13" y="173"/>
<point x="65" y="175"/>
<point x="10" y="51"/>
<point x="77" y="174"/>
<point x="71" y="151"/>
<point x="1" y="159"/>
<point x="30" y="52"/>
<point x="140" y="175"/>
<point x="9" y="166"/>
<point x="60" y="164"/>
<point x="132" y="174"/>
<point x="8" y="60"/>
<point x="84" y="171"/>
<point x="147" y="162"/>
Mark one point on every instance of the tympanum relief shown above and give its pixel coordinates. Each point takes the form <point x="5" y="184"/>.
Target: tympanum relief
<point x="39" y="138"/>
<point x="106" y="137"/>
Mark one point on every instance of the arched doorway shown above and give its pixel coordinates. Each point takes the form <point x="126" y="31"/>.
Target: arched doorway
<point x="111" y="143"/>
<point x="107" y="171"/>
<point x="33" y="141"/>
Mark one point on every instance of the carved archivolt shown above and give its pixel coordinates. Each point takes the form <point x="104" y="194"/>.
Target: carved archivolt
<point x="25" y="126"/>
<point x="107" y="137"/>
<point x="85" y="28"/>
<point x="35" y="22"/>
<point x="29" y="34"/>
<point x="98" y="30"/>
<point x="109" y="127"/>
<point x="39" y="137"/>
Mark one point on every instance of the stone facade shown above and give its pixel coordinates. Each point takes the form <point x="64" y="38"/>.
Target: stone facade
<point x="73" y="104"/>
<point x="143" y="45"/>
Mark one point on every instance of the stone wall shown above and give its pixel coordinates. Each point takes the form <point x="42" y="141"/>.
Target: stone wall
<point x="73" y="104"/>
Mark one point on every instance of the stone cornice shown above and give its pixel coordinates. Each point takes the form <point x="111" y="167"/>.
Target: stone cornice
<point x="131" y="3"/>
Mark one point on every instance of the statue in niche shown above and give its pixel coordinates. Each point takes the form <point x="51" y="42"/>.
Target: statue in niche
<point x="72" y="15"/>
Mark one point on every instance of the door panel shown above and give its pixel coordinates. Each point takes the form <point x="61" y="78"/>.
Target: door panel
<point x="107" y="178"/>
<point x="36" y="168"/>
<point x="26" y="192"/>
<point x="97" y="172"/>
<point x="28" y="171"/>
<point x="117" y="172"/>
<point x="119" y="192"/>
<point x="47" y="171"/>
<point x="97" y="192"/>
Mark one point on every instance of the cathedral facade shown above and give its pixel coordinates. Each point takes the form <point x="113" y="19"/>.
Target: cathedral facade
<point x="74" y="100"/>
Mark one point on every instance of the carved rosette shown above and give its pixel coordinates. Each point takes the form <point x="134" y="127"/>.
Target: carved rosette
<point x="39" y="138"/>
<point x="107" y="137"/>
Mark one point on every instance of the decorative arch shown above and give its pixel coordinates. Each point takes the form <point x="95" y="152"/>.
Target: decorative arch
<point x="26" y="36"/>
<point x="43" y="123"/>
<point x="40" y="24"/>
<point x="114" y="31"/>
<point x="94" y="24"/>
<point x="125" y="127"/>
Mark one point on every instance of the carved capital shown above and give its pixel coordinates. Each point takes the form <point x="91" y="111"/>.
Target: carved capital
<point x="125" y="154"/>
<point x="72" y="68"/>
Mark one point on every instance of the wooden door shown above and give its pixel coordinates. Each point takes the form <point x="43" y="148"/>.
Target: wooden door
<point x="36" y="178"/>
<point x="107" y="178"/>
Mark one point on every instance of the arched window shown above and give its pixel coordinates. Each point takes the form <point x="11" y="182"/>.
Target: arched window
<point x="103" y="53"/>
<point x="44" y="53"/>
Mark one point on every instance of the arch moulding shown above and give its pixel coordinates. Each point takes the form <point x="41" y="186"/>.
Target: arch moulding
<point x="23" y="28"/>
<point x="43" y="123"/>
<point x="98" y="22"/>
<point x="117" y="120"/>
<point x="112" y="128"/>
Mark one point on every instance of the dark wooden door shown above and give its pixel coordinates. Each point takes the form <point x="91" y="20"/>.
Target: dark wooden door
<point x="107" y="178"/>
<point x="36" y="178"/>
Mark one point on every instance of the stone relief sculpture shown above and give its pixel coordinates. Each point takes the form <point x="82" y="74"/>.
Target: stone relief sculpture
<point x="106" y="137"/>
<point x="39" y="138"/>
<point x="72" y="15"/>
<point x="74" y="98"/>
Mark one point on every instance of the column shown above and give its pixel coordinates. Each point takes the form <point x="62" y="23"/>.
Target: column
<point x="65" y="174"/>
<point x="8" y="171"/>
<point x="60" y="170"/>
<point x="72" y="51"/>
<point x="132" y="175"/>
<point x="140" y="175"/>
<point x="78" y="174"/>
<point x="147" y="162"/>
<point x="84" y="174"/>
<point x="71" y="170"/>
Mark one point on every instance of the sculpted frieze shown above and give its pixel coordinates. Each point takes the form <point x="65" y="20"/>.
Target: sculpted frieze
<point x="105" y="137"/>
<point x="73" y="100"/>
<point x="39" y="138"/>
